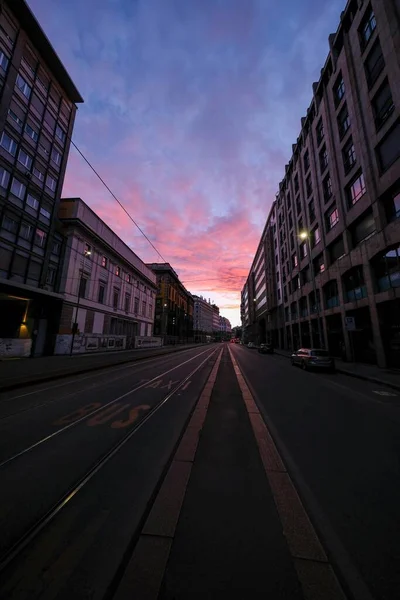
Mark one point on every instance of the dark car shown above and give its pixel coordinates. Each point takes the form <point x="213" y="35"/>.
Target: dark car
<point x="266" y="349"/>
<point x="313" y="358"/>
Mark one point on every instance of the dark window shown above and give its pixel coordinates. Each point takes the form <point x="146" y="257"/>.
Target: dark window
<point x="298" y="205"/>
<point x="354" y="284"/>
<point x="343" y="121"/>
<point x="367" y="28"/>
<point x="115" y="298"/>
<point x="82" y="287"/>
<point x="306" y="161"/>
<point x="19" y="265"/>
<point x="323" y="159"/>
<point x="331" y="218"/>
<point x="10" y="224"/>
<point x="37" y="106"/>
<point x="3" y="61"/>
<point x="102" y="291"/>
<point x="290" y="220"/>
<point x="311" y="211"/>
<point x="392" y="205"/>
<point x="363" y="228"/>
<point x="331" y="294"/>
<point x="288" y="200"/>
<point x="374" y="64"/>
<point x="387" y="269"/>
<point x="356" y="189"/>
<point x="291" y="241"/>
<point x="4" y="178"/>
<point x="338" y="90"/>
<point x="26" y="231"/>
<point x="320" y="131"/>
<point x="349" y="156"/>
<point x="296" y="183"/>
<point x="23" y="86"/>
<point x="136" y="306"/>
<point x="127" y="305"/>
<point x="319" y="265"/>
<point x="382" y="104"/>
<point x="336" y="249"/>
<point x="308" y="185"/>
<point x="327" y="187"/>
<point x="56" y="248"/>
<point x="144" y="308"/>
<point x="51" y="276"/>
<point x="388" y="151"/>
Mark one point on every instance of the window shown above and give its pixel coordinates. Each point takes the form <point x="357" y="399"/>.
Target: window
<point x="39" y="174"/>
<point x="42" y="83"/>
<point x="349" y="156"/>
<point x="49" y="122"/>
<point x="26" y="231"/>
<point x="387" y="269"/>
<point x="388" y="151"/>
<point x="374" y="64"/>
<point x="343" y="121"/>
<point x="44" y="145"/>
<point x="102" y="292"/>
<point x="23" y="86"/>
<point x="31" y="132"/>
<point x="51" y="183"/>
<point x="392" y="205"/>
<point x="18" y="188"/>
<point x="367" y="28"/>
<point x="356" y="189"/>
<point x="45" y="213"/>
<point x="331" y="218"/>
<point x="323" y="159"/>
<point x="311" y="211"/>
<point x="3" y="61"/>
<point x="354" y="284"/>
<point x="306" y="161"/>
<point x="336" y="249"/>
<point x="56" y="248"/>
<point x="127" y="302"/>
<point x="4" y="178"/>
<point x="8" y="143"/>
<point x="56" y="157"/>
<point x="60" y="133"/>
<point x="288" y="201"/>
<point x="294" y="261"/>
<point x="296" y="183"/>
<point x="291" y="241"/>
<point x="144" y="308"/>
<point x="308" y="186"/>
<point x="115" y="298"/>
<point x="298" y="205"/>
<point x="51" y="276"/>
<point x="40" y="238"/>
<point x="118" y="271"/>
<point x="382" y="104"/>
<point x="128" y="278"/>
<point x="327" y="187"/>
<point x="290" y="220"/>
<point x="319" y="265"/>
<point x="338" y="90"/>
<point x="320" y="132"/>
<point x="150" y="310"/>
<point x="32" y="201"/>
<point x="25" y="159"/>
<point x="303" y="250"/>
<point x="363" y="228"/>
<point x="136" y="306"/>
<point x="10" y="224"/>
<point x="82" y="287"/>
<point x="16" y="119"/>
<point x="87" y="251"/>
<point x="104" y="262"/>
<point x="315" y="236"/>
<point x="37" y="107"/>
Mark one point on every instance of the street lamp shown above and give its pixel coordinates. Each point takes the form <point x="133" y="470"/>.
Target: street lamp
<point x="305" y="236"/>
<point x="86" y="252"/>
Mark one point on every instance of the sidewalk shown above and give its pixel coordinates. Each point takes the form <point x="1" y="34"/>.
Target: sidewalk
<point x="15" y="373"/>
<point x="362" y="371"/>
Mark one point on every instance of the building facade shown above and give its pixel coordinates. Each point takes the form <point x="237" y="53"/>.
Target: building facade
<point x="109" y="293"/>
<point x="203" y="319"/>
<point x="174" y="306"/>
<point x="37" y="111"/>
<point x="337" y="210"/>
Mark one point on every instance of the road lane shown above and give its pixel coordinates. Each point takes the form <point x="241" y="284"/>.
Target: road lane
<point x="344" y="439"/>
<point x="35" y="481"/>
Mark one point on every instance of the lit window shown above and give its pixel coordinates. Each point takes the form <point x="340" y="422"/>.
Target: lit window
<point x="25" y="159"/>
<point x="31" y="132"/>
<point x="60" y="133"/>
<point x="128" y="278"/>
<point x="45" y="213"/>
<point x="39" y="174"/>
<point x="8" y="143"/>
<point x="18" y="188"/>
<point x="32" y="201"/>
<point x="316" y="236"/>
<point x="356" y="189"/>
<point x="118" y="271"/>
<point x="104" y="261"/>
<point x="87" y="250"/>
<point x="23" y="86"/>
<point x="332" y="219"/>
<point x="4" y="178"/>
<point x="40" y="238"/>
<point x="51" y="183"/>
<point x="56" y="157"/>
<point x="3" y="61"/>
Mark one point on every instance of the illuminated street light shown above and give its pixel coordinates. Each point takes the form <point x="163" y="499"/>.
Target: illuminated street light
<point x="303" y="235"/>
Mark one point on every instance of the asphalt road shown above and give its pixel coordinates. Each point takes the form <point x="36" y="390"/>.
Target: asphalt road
<point x="341" y="437"/>
<point x="80" y="461"/>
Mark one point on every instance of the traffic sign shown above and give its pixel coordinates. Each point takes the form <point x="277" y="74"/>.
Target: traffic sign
<point x="350" y="323"/>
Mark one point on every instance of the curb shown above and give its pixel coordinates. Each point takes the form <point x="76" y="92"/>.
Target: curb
<point x="80" y="371"/>
<point x="394" y="386"/>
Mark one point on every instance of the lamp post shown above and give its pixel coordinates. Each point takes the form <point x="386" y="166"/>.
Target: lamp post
<point x="75" y="324"/>
<point x="305" y="236"/>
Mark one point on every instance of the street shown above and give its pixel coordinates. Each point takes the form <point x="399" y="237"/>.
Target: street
<point x="341" y="436"/>
<point x="81" y="460"/>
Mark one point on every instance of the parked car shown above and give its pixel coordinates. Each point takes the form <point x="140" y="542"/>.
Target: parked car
<point x="313" y="358"/>
<point x="251" y="345"/>
<point x="266" y="349"/>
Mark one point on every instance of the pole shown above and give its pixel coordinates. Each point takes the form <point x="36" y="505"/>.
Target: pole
<point x="75" y="325"/>
<point x="315" y="291"/>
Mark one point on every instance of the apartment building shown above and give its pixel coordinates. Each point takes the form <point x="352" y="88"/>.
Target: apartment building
<point x="109" y="293"/>
<point x="204" y="318"/>
<point x="338" y="205"/>
<point x="174" y="305"/>
<point x="37" y="111"/>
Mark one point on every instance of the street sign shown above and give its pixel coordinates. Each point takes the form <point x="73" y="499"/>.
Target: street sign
<point x="350" y="323"/>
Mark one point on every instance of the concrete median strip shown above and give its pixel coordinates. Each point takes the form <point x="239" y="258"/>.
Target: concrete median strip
<point x="145" y="571"/>
<point x="315" y="574"/>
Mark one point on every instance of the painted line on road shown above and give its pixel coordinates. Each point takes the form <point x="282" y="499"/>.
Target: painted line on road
<point x="315" y="574"/>
<point x="94" y="412"/>
<point x="144" y="573"/>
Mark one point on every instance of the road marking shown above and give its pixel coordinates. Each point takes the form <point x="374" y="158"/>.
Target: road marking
<point x="304" y="545"/>
<point x="384" y="393"/>
<point x="183" y="388"/>
<point x="144" y="573"/>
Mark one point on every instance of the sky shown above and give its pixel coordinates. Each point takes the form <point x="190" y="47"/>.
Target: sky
<point x="191" y="109"/>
